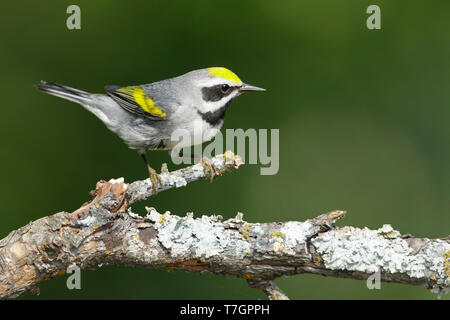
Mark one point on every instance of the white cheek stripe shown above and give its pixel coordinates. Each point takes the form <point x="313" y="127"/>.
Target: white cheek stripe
<point x="215" y="81"/>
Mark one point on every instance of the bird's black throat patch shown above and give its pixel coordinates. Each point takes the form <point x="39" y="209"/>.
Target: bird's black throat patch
<point x="213" y="118"/>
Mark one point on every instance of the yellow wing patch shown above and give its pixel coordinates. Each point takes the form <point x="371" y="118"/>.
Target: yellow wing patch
<point x="143" y="100"/>
<point x="224" y="73"/>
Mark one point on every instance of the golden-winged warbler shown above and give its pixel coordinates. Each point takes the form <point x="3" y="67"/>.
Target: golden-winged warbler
<point x="145" y="116"/>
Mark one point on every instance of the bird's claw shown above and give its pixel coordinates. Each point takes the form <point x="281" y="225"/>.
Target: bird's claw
<point x="208" y="168"/>
<point x="155" y="180"/>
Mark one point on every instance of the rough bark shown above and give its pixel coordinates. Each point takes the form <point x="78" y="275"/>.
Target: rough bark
<point x="106" y="232"/>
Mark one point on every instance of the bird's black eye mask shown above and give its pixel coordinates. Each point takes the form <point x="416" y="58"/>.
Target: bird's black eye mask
<point x="217" y="92"/>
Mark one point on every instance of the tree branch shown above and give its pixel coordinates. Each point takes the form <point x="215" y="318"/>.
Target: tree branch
<point x="104" y="232"/>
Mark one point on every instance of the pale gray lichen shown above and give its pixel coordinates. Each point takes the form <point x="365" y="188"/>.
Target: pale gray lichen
<point x="295" y="235"/>
<point x="239" y="217"/>
<point x="88" y="221"/>
<point x="202" y="237"/>
<point x="173" y="180"/>
<point x="135" y="247"/>
<point x="365" y="250"/>
<point x="257" y="230"/>
<point x="199" y="172"/>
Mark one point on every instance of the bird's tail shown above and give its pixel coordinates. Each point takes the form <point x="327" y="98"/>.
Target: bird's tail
<point x="65" y="92"/>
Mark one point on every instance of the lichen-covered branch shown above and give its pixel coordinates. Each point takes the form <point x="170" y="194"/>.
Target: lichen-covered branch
<point x="106" y="232"/>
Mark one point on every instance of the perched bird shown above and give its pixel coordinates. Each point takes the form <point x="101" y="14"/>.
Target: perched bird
<point x="145" y="116"/>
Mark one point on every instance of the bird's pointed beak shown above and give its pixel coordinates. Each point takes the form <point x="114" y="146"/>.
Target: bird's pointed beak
<point x="247" y="87"/>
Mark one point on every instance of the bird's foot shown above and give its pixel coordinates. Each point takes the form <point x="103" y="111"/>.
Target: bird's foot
<point x="155" y="179"/>
<point x="208" y="168"/>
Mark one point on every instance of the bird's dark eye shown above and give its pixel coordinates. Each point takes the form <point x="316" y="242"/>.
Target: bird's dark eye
<point x="225" y="88"/>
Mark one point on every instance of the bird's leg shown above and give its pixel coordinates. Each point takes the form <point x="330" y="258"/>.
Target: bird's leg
<point x="209" y="168"/>
<point x="154" y="177"/>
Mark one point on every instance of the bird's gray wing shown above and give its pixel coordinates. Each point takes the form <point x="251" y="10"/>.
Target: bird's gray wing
<point x="136" y="100"/>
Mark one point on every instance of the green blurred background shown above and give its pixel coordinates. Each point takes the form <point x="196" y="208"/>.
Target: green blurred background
<point x="364" y="121"/>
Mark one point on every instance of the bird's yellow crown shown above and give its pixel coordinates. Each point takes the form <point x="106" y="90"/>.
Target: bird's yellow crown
<point x="224" y="73"/>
